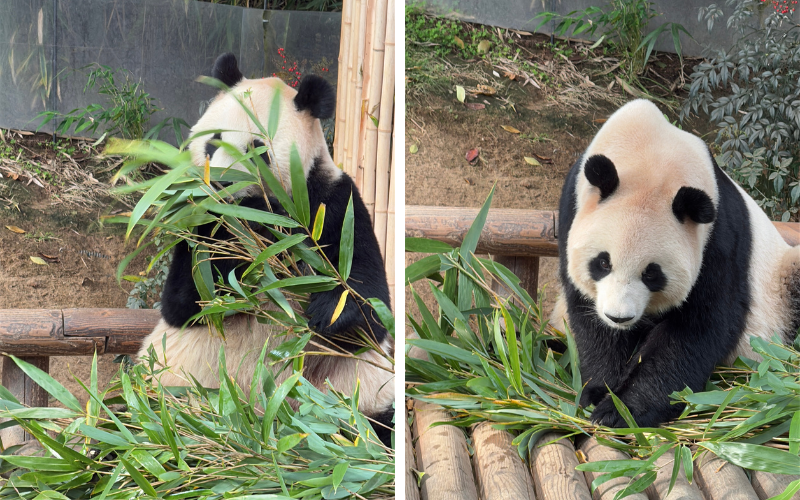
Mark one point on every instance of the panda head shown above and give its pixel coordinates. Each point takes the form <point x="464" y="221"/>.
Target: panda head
<point x="646" y="200"/>
<point x="299" y="113"/>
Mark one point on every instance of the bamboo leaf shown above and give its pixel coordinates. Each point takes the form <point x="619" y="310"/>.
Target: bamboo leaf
<point x="299" y="188"/>
<point x="50" y="385"/>
<point x="339" y="306"/>
<point x="346" y="243"/>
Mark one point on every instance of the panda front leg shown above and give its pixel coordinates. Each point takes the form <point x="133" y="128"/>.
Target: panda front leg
<point x="667" y="361"/>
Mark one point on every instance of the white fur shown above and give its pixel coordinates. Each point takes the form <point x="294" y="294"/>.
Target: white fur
<point x="298" y="128"/>
<point x="196" y="350"/>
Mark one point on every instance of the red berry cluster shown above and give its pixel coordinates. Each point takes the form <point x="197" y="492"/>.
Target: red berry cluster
<point x="783" y="6"/>
<point x="292" y="72"/>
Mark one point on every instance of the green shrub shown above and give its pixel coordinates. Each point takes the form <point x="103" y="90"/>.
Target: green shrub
<point x="750" y="93"/>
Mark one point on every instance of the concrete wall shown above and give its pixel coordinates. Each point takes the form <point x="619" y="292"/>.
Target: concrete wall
<point x="166" y="44"/>
<point x="520" y="15"/>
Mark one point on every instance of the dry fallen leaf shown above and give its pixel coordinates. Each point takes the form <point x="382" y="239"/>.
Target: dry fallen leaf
<point x="543" y="159"/>
<point x="509" y="128"/>
<point x="599" y="120"/>
<point x="472" y="155"/>
<point x="459" y="42"/>
<point x="475" y="105"/>
<point x="15" y="229"/>
<point x="484" y="46"/>
<point x="469" y="182"/>
<point x="413" y="149"/>
<point x="509" y="75"/>
<point x="485" y="89"/>
<point x="532" y="161"/>
<point x="38" y="260"/>
<point x="460" y="93"/>
<point x="53" y="258"/>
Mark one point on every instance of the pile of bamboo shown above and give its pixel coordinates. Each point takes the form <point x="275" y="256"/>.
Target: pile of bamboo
<point x="364" y="112"/>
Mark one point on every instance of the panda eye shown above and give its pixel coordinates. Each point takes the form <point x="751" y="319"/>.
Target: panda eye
<point x="653" y="277"/>
<point x="600" y="266"/>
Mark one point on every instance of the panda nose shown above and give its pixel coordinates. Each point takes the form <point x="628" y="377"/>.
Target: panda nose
<point x="619" y="320"/>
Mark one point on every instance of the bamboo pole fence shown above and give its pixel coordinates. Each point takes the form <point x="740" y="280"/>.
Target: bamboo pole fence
<point x="363" y="142"/>
<point x="493" y="469"/>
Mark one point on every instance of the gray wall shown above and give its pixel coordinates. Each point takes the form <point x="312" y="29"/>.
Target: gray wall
<point x="165" y="43"/>
<point x="520" y="15"/>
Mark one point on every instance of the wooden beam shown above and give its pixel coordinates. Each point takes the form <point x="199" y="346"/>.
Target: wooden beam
<point x="528" y="233"/>
<point x="553" y="469"/>
<point x="74" y="332"/>
<point x="499" y="470"/>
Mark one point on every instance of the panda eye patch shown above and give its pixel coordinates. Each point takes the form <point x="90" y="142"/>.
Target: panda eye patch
<point x="600" y="266"/>
<point x="653" y="277"/>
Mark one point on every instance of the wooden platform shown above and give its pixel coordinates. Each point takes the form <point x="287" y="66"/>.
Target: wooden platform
<point x="481" y="464"/>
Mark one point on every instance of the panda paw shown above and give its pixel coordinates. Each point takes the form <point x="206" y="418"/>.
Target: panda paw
<point x="605" y="413"/>
<point x="592" y="394"/>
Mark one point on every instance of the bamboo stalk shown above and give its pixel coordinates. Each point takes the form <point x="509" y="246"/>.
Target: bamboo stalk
<point x="358" y="107"/>
<point x="389" y="260"/>
<point x="341" y="90"/>
<point x="353" y="96"/>
<point x="383" y="153"/>
<point x="373" y="83"/>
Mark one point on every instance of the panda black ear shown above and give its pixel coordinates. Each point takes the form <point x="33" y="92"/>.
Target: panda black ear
<point x="317" y="96"/>
<point x="601" y="173"/>
<point x="695" y="204"/>
<point x="226" y="70"/>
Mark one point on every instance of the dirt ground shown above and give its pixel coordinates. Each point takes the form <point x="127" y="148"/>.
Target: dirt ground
<point x="549" y="125"/>
<point x="80" y="253"/>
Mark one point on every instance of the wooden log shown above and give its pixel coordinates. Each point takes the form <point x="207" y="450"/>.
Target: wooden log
<point x="530" y="233"/>
<point x="26" y="391"/>
<point x="790" y="232"/>
<point x="595" y="452"/>
<point x="412" y="490"/>
<point x="768" y="485"/>
<point x="443" y="456"/>
<point x="682" y="489"/>
<point x="553" y="470"/>
<point x="720" y="480"/>
<point x="499" y="470"/>
<point x="109" y="322"/>
<point x="506" y="232"/>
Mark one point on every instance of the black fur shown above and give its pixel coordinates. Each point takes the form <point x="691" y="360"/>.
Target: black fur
<point x="383" y="427"/>
<point x="226" y="70"/>
<point x="596" y="269"/>
<point x="653" y="278"/>
<point x="210" y="148"/>
<point x="693" y="203"/>
<point x="601" y="173"/>
<point x="645" y="364"/>
<point x="317" y="96"/>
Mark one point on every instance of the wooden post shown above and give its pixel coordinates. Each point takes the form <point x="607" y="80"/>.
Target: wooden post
<point x="442" y="455"/>
<point x="524" y="268"/>
<point x="682" y="489"/>
<point x="768" y="485"/>
<point x="553" y="469"/>
<point x="720" y="480"/>
<point x="500" y="472"/>
<point x="26" y="391"/>
<point x="595" y="452"/>
<point x="412" y="490"/>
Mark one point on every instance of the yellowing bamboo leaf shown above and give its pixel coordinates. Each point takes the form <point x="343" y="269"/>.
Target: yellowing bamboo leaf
<point x="413" y="149"/>
<point x="319" y="220"/>
<point x="460" y="93"/>
<point x="532" y="161"/>
<point x="207" y="171"/>
<point x="459" y="42"/>
<point x="38" y="260"/>
<point x="484" y="46"/>
<point x="339" y="307"/>
<point x="509" y="128"/>
<point x="15" y="229"/>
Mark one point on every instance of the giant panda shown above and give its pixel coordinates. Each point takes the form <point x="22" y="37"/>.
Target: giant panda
<point x="193" y="349"/>
<point x="667" y="267"/>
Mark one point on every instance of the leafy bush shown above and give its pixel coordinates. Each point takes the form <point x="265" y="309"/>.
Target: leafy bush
<point x="750" y="93"/>
<point x="152" y="442"/>
<point x="622" y="24"/>
<point x="126" y="113"/>
<point x="490" y="360"/>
